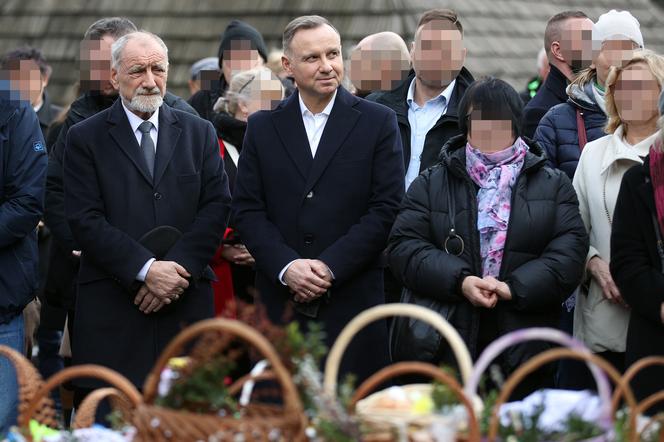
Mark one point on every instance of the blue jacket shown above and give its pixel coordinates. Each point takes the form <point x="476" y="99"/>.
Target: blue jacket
<point x="22" y="178"/>
<point x="557" y="132"/>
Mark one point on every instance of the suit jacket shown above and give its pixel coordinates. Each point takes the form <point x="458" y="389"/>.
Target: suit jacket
<point x="111" y="201"/>
<point x="337" y="207"/>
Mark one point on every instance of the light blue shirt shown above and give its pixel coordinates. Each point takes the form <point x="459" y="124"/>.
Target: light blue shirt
<point x="421" y="120"/>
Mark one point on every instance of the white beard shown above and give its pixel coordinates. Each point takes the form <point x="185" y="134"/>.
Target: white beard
<point x="145" y="103"/>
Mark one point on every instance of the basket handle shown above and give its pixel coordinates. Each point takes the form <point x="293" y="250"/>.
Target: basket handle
<point x="493" y="350"/>
<point x="388" y="310"/>
<point x="124" y="386"/>
<point x="640" y="408"/>
<point x="550" y="356"/>
<point x="85" y="414"/>
<point x="424" y="369"/>
<point x="236" y="328"/>
<point x="631" y="372"/>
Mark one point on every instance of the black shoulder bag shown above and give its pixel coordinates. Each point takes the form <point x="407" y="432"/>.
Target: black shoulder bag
<point x="414" y="340"/>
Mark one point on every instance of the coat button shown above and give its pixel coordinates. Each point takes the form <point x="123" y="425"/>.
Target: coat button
<point x="310" y="194"/>
<point x="157" y="196"/>
<point x="308" y="239"/>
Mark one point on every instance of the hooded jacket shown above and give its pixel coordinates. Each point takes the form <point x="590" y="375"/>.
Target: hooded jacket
<point x="543" y="257"/>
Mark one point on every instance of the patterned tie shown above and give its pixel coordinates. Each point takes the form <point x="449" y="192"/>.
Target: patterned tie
<point x="147" y="146"/>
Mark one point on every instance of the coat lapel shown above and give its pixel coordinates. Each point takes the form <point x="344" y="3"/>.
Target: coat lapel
<point x="341" y="121"/>
<point x="290" y="127"/>
<point x="124" y="137"/>
<point x="169" y="133"/>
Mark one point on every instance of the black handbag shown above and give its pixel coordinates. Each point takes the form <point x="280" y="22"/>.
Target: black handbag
<point x="414" y="340"/>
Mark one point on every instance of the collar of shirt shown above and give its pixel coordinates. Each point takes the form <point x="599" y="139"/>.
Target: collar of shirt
<point x="444" y="96"/>
<point x="135" y="120"/>
<point x="38" y="107"/>
<point x="305" y="111"/>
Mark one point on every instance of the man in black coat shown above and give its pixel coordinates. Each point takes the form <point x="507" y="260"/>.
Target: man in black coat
<point x="430" y="95"/>
<point x="568" y="45"/>
<point x="319" y="183"/>
<point x="97" y="96"/>
<point x="428" y="99"/>
<point x="129" y="169"/>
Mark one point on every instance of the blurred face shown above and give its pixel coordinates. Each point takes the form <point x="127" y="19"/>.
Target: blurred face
<point x="240" y="57"/>
<point x="636" y="92"/>
<point x="95" y="67"/>
<point x="141" y="75"/>
<point x="613" y="53"/>
<point x="576" y="43"/>
<point x="438" y="53"/>
<point x="488" y="132"/>
<point x="378" y="70"/>
<point x="315" y="62"/>
<point x="26" y="78"/>
<point x="265" y="95"/>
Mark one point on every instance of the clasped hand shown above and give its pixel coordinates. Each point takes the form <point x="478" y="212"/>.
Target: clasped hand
<point x="164" y="283"/>
<point x="485" y="292"/>
<point x="308" y="279"/>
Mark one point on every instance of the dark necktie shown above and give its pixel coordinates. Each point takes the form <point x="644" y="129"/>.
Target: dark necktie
<point x="147" y="146"/>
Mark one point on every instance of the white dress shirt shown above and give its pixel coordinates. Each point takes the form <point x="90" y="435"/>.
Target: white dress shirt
<point x="421" y="119"/>
<point x="314" y="124"/>
<point x="134" y="122"/>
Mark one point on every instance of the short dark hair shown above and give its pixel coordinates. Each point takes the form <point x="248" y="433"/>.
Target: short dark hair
<point x="303" y="22"/>
<point x="496" y="99"/>
<point x="440" y="14"/>
<point x="553" y="29"/>
<point x="12" y="59"/>
<point x="114" y="27"/>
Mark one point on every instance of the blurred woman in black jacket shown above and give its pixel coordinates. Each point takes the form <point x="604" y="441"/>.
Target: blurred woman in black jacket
<point x="492" y="230"/>
<point x="637" y="262"/>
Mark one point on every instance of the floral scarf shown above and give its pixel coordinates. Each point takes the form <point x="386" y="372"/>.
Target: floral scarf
<point x="495" y="174"/>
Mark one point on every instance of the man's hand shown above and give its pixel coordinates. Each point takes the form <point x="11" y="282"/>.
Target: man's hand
<point x="148" y="302"/>
<point x="237" y="254"/>
<point x="166" y="279"/>
<point x="479" y="292"/>
<point x="599" y="269"/>
<point x="307" y="279"/>
<point x="661" y="312"/>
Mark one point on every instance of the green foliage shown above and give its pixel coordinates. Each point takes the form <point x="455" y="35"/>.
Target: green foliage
<point x="203" y="389"/>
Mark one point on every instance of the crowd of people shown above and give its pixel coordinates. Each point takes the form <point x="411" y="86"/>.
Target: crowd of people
<point x="317" y="193"/>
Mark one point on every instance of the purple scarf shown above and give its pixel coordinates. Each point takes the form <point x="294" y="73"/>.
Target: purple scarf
<point x="495" y="174"/>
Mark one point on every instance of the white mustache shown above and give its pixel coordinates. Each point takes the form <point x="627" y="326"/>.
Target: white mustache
<point x="145" y="91"/>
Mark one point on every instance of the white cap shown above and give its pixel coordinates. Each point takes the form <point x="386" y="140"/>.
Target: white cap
<point x="617" y="25"/>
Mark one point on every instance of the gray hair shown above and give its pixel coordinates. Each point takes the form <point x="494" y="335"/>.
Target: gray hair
<point x="242" y="86"/>
<point x="118" y="46"/>
<point x="115" y="27"/>
<point x="300" y="23"/>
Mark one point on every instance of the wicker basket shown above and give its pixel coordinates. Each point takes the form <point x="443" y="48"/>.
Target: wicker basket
<point x="259" y="422"/>
<point x="381" y="424"/>
<point x="608" y="413"/>
<point x="645" y="404"/>
<point x="29" y="382"/>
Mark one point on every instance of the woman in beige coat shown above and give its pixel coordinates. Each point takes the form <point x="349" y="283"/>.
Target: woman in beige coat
<point x="601" y="315"/>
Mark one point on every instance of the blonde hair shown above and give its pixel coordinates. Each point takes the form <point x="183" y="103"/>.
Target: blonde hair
<point x="655" y="64"/>
<point x="242" y="86"/>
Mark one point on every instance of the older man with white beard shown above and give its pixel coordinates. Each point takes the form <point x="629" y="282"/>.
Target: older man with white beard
<point x="146" y="197"/>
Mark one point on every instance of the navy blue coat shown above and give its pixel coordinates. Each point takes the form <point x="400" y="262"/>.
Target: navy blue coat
<point x="22" y="178"/>
<point x="337" y="207"/>
<point x="558" y="134"/>
<point x="550" y="94"/>
<point x="111" y="202"/>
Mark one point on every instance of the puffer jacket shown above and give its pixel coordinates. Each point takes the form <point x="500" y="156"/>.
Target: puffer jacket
<point x="543" y="257"/>
<point x="557" y="131"/>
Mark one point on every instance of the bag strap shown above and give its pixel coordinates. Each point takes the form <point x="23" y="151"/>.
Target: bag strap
<point x="581" y="129"/>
